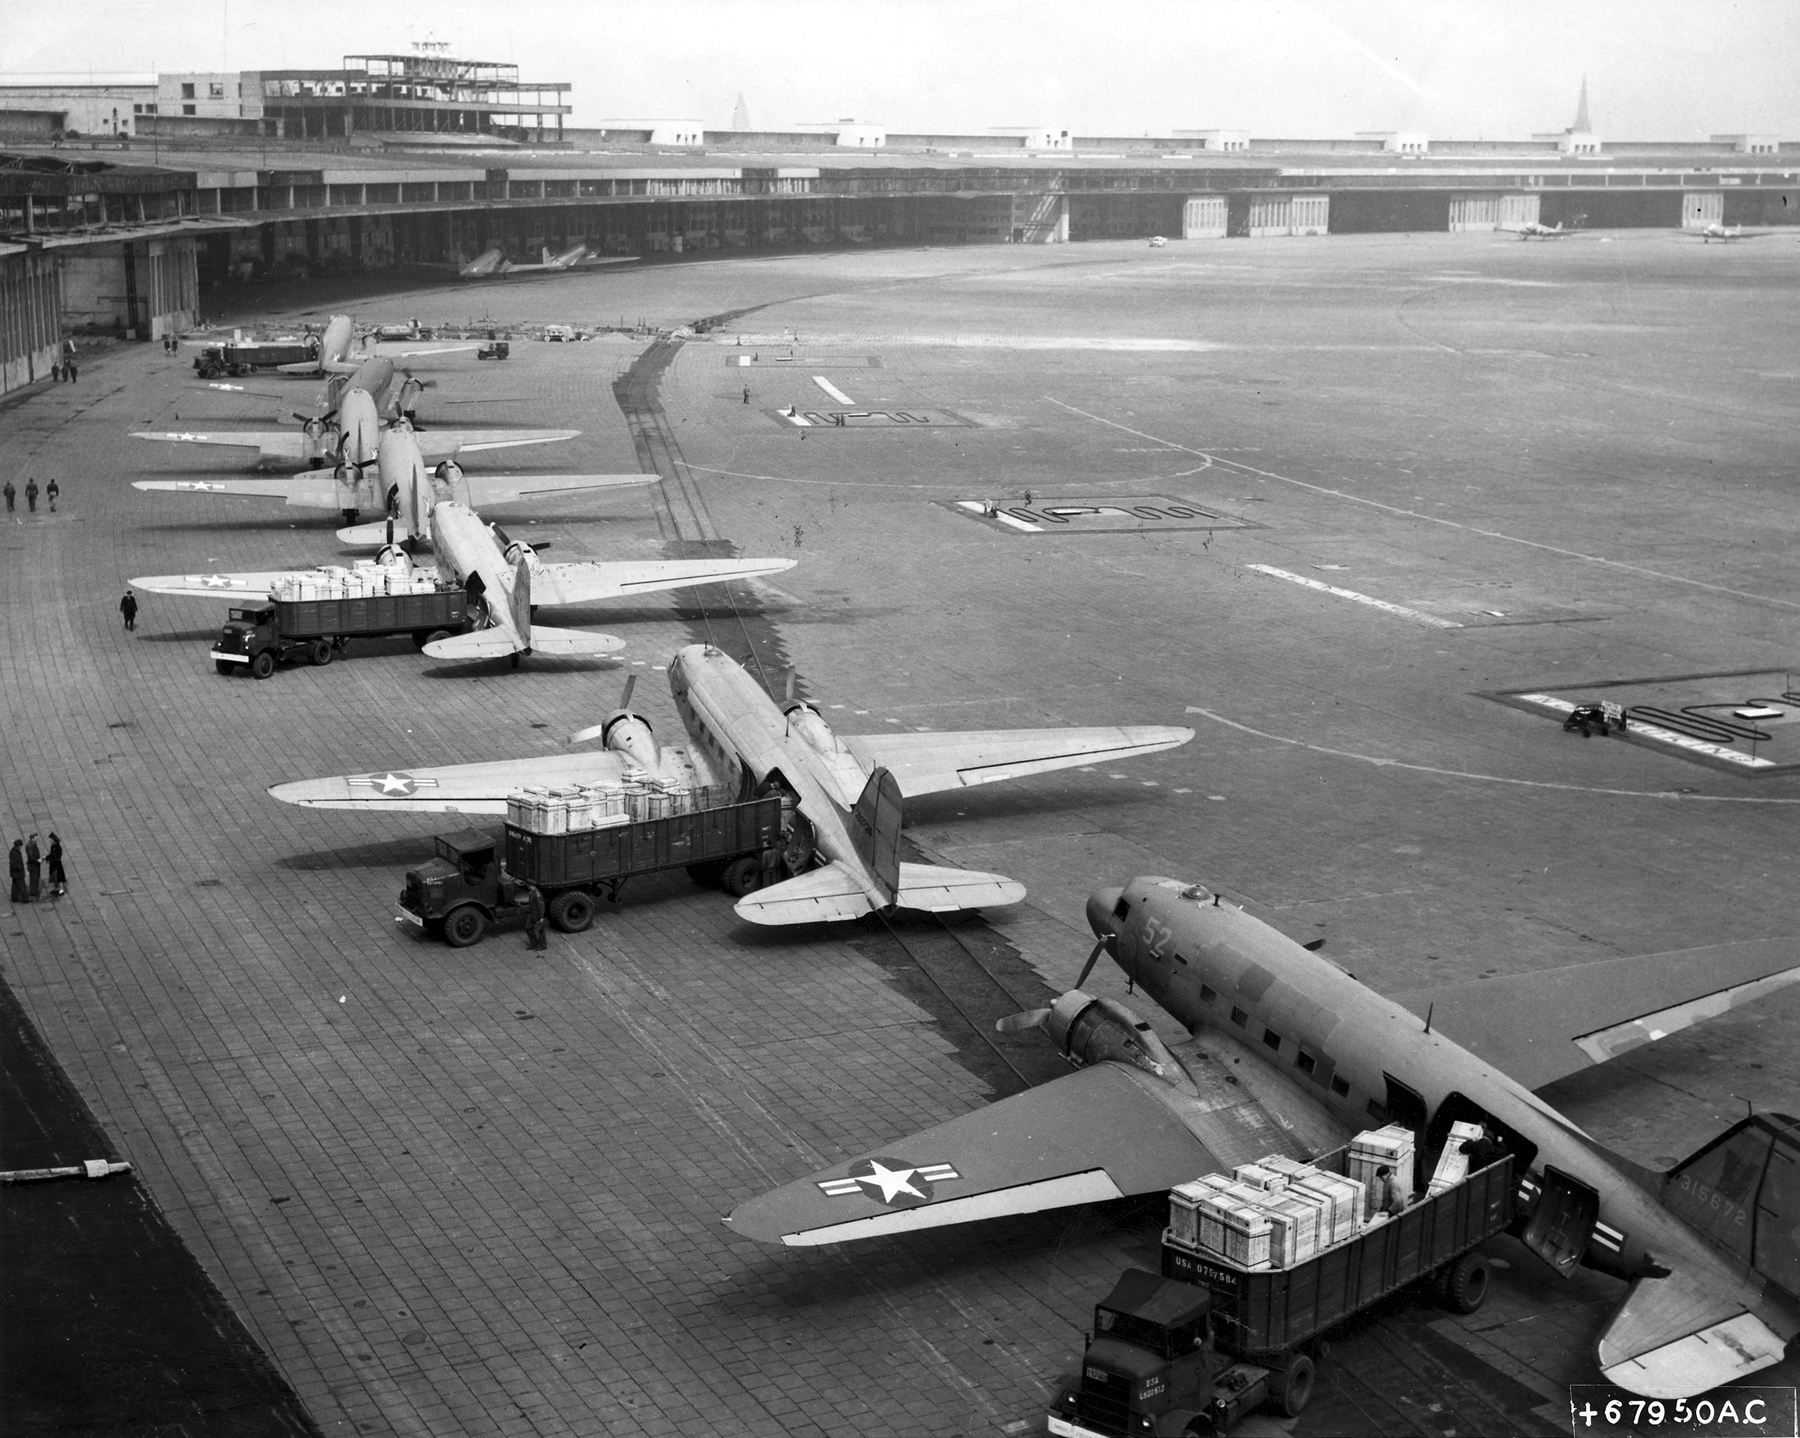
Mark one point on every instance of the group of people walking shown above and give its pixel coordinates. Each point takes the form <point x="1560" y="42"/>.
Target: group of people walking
<point x="25" y="865"/>
<point x="50" y="492"/>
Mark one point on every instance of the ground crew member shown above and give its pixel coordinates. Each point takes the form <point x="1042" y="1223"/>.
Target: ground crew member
<point x="51" y="490"/>
<point x="128" y="607"/>
<point x="59" y="880"/>
<point x="1483" y="1150"/>
<point x="69" y="370"/>
<point x="746" y="394"/>
<point x="534" y="918"/>
<point x="15" y="868"/>
<point x="31" y="494"/>
<point x="1390" y="1198"/>
<point x="34" y="865"/>
<point x="11" y="494"/>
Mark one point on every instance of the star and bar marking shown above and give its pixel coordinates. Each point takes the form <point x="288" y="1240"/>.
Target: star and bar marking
<point x="891" y="1181"/>
<point x="393" y="783"/>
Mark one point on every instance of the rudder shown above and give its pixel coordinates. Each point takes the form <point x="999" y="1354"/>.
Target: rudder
<point x="1742" y="1193"/>
<point x="875" y="830"/>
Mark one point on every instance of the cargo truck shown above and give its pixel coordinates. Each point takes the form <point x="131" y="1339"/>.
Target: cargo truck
<point x="243" y="359"/>
<point x="258" y="638"/>
<point x="466" y="887"/>
<point x="1195" y="1348"/>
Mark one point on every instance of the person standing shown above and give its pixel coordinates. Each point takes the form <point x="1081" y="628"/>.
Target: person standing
<point x="34" y="866"/>
<point x="11" y="495"/>
<point x="69" y="370"/>
<point x="15" y="868"/>
<point x="59" y="879"/>
<point x="31" y="494"/>
<point x="128" y="607"/>
<point x="51" y="490"/>
<point x="534" y="918"/>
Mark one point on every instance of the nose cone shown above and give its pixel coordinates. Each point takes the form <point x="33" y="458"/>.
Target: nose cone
<point x="1100" y="906"/>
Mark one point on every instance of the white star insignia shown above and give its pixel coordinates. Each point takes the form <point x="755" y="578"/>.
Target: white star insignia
<point x="219" y="581"/>
<point x="890" y="1181"/>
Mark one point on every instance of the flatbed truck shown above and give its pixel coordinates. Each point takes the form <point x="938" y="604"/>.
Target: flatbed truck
<point x="1197" y="1347"/>
<point x="243" y="359"/>
<point x="259" y="637"/>
<point x="477" y="879"/>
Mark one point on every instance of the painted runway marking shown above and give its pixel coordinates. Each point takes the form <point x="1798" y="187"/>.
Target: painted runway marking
<point x="1431" y="518"/>
<point x="832" y="389"/>
<point x="1380" y="763"/>
<point x="1399" y="609"/>
<point x="1661" y="735"/>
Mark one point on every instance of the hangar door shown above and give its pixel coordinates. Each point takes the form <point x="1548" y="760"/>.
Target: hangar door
<point x="1203" y="217"/>
<point x="1700" y="210"/>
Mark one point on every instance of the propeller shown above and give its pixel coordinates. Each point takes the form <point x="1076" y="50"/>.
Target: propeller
<point x="1034" y="1018"/>
<point x="594" y="731"/>
<point x="1092" y="959"/>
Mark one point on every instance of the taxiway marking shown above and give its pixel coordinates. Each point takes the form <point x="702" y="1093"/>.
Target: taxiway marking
<point x="1399" y="609"/>
<point x="1661" y="735"/>
<point x="1213" y="458"/>
<point x="832" y="390"/>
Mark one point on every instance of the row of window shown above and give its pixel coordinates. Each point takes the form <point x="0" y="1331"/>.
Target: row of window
<point x="1307" y="1063"/>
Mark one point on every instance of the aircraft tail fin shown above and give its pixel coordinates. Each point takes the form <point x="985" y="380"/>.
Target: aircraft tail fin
<point x="875" y="830"/>
<point x="1742" y="1193"/>
<point x="521" y="595"/>
<point x="547" y="256"/>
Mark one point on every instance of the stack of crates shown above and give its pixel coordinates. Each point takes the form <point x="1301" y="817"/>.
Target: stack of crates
<point x="1390" y="1147"/>
<point x="575" y="808"/>
<point x="367" y="580"/>
<point x="1273" y="1213"/>
<point x="1216" y="1215"/>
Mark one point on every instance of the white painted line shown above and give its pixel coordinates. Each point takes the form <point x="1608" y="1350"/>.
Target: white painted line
<point x="1018" y="523"/>
<point x="1663" y="736"/>
<point x="1399" y="609"/>
<point x="832" y="390"/>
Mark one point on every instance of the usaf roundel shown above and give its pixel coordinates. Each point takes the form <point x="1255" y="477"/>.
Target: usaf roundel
<point x="891" y="1181"/>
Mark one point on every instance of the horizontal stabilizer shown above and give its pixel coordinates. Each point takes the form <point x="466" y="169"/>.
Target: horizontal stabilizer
<point x="372" y="536"/>
<point x="1100" y="1133"/>
<point x="941" y="890"/>
<point x="495" y="643"/>
<point x="818" y="896"/>
<point x="614" y="579"/>
<point x="1675" y="1338"/>
<point x="545" y="640"/>
<point x="928" y="763"/>
<point x="1541" y="1025"/>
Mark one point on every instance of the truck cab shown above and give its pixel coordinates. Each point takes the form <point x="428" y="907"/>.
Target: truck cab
<point x="248" y="634"/>
<point x="1149" y="1363"/>
<point x="458" y="891"/>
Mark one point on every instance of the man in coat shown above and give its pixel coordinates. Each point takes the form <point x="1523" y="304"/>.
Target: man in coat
<point x="58" y="876"/>
<point x="15" y="868"/>
<point x="534" y="918"/>
<point x="128" y="607"/>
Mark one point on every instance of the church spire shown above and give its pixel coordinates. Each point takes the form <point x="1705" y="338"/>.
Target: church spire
<point x="1583" y="125"/>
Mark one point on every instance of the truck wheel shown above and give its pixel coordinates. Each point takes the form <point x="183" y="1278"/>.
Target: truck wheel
<point x="263" y="665"/>
<point x="224" y="666"/>
<point x="572" y="911"/>
<point x="707" y="875"/>
<point x="1292" y="1385"/>
<point x="320" y="652"/>
<point x="1466" y="1286"/>
<point x="463" y="926"/>
<point x="435" y="636"/>
<point x="421" y="637"/>
<point x="742" y="876"/>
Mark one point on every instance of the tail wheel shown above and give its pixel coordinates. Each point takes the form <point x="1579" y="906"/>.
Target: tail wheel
<point x="1466" y="1285"/>
<point x="742" y="876"/>
<point x="263" y="665"/>
<point x="1294" y="1385"/>
<point x="572" y="911"/>
<point x="320" y="652"/>
<point x="464" y="926"/>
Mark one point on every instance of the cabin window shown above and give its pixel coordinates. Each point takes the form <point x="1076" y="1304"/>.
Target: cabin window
<point x="1271" y="1039"/>
<point x="1340" y="1087"/>
<point x="1208" y="993"/>
<point x="1306" y="1061"/>
<point x="1239" y="1017"/>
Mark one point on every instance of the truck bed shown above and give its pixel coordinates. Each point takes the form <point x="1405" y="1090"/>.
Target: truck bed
<point x="1266" y="1311"/>
<point x="590" y="856"/>
<point x="373" y="614"/>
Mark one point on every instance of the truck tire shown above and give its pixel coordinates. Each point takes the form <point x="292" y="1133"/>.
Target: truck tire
<point x="572" y="911"/>
<point x="421" y="637"/>
<point x="1466" y="1284"/>
<point x="464" y="925"/>
<point x="262" y="664"/>
<point x="319" y="652"/>
<point x="1291" y="1385"/>
<point x="224" y="666"/>
<point x="742" y="876"/>
<point x="435" y="635"/>
<point x="708" y="874"/>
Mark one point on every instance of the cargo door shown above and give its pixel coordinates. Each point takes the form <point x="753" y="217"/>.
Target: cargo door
<point x="1563" y="1222"/>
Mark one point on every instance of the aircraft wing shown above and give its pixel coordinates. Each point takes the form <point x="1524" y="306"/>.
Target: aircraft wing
<point x="214" y="586"/>
<point x="927" y="763"/>
<point x="1103" y="1132"/>
<point x="312" y="490"/>
<point x="1542" y="1025"/>
<point x="454" y="789"/>
<point x="271" y="444"/>
<point x="403" y="349"/>
<point x="1676" y="1337"/>
<point x="608" y="579"/>
<point x="436" y="444"/>
<point x="486" y="489"/>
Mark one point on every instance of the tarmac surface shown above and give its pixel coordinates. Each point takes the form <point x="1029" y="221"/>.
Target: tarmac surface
<point x="478" y="1191"/>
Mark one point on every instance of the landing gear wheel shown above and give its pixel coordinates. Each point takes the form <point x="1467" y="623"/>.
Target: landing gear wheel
<point x="572" y="911"/>
<point x="464" y="926"/>
<point x="320" y="652"/>
<point x="1466" y="1284"/>
<point x="707" y="875"/>
<point x="224" y="666"/>
<point x="742" y="876"/>
<point x="263" y="665"/>
<point x="1293" y="1385"/>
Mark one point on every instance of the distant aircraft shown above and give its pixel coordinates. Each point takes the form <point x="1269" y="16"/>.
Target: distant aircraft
<point x="1725" y="234"/>
<point x="1292" y="1055"/>
<point x="341" y="349"/>
<point x="492" y="262"/>
<point x="1532" y="230"/>
<point x="846" y="792"/>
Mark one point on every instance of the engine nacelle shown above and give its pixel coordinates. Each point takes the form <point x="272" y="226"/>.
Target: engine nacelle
<point x="630" y="734"/>
<point x="519" y="548"/>
<point x="1091" y="1031"/>
<point x="392" y="556"/>
<point x="809" y="724"/>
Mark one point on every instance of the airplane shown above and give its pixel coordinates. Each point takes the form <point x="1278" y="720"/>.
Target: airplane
<point x="341" y="350"/>
<point x="1725" y="234"/>
<point x="1291" y="1054"/>
<point x="846" y="792"/>
<point x="1533" y="230"/>
<point x="492" y="262"/>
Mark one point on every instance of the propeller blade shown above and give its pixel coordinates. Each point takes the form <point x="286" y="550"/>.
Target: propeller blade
<point x="1018" y="1023"/>
<point x="630" y="684"/>
<point x="1314" y="946"/>
<point x="593" y="731"/>
<point x="1092" y="959"/>
<point x="792" y="677"/>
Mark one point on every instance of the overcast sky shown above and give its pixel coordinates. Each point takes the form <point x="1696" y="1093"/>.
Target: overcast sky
<point x="1657" y="69"/>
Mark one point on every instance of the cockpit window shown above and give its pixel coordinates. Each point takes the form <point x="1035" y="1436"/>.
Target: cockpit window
<point x="1122" y="909"/>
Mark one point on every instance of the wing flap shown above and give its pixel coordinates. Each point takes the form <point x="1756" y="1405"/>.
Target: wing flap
<point x="927" y="763"/>
<point x="486" y="489"/>
<point x="1543" y="1025"/>
<point x="1099" y="1133"/>
<point x="585" y="582"/>
<point x="1675" y="1338"/>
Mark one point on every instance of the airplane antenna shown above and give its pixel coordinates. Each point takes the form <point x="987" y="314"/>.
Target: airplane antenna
<point x="1428" y="1013"/>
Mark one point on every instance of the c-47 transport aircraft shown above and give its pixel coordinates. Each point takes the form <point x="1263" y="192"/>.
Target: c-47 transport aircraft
<point x="1290" y="1054"/>
<point x="845" y="791"/>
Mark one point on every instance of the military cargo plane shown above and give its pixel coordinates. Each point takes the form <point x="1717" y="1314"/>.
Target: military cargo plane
<point x="1290" y="1054"/>
<point x="842" y="794"/>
